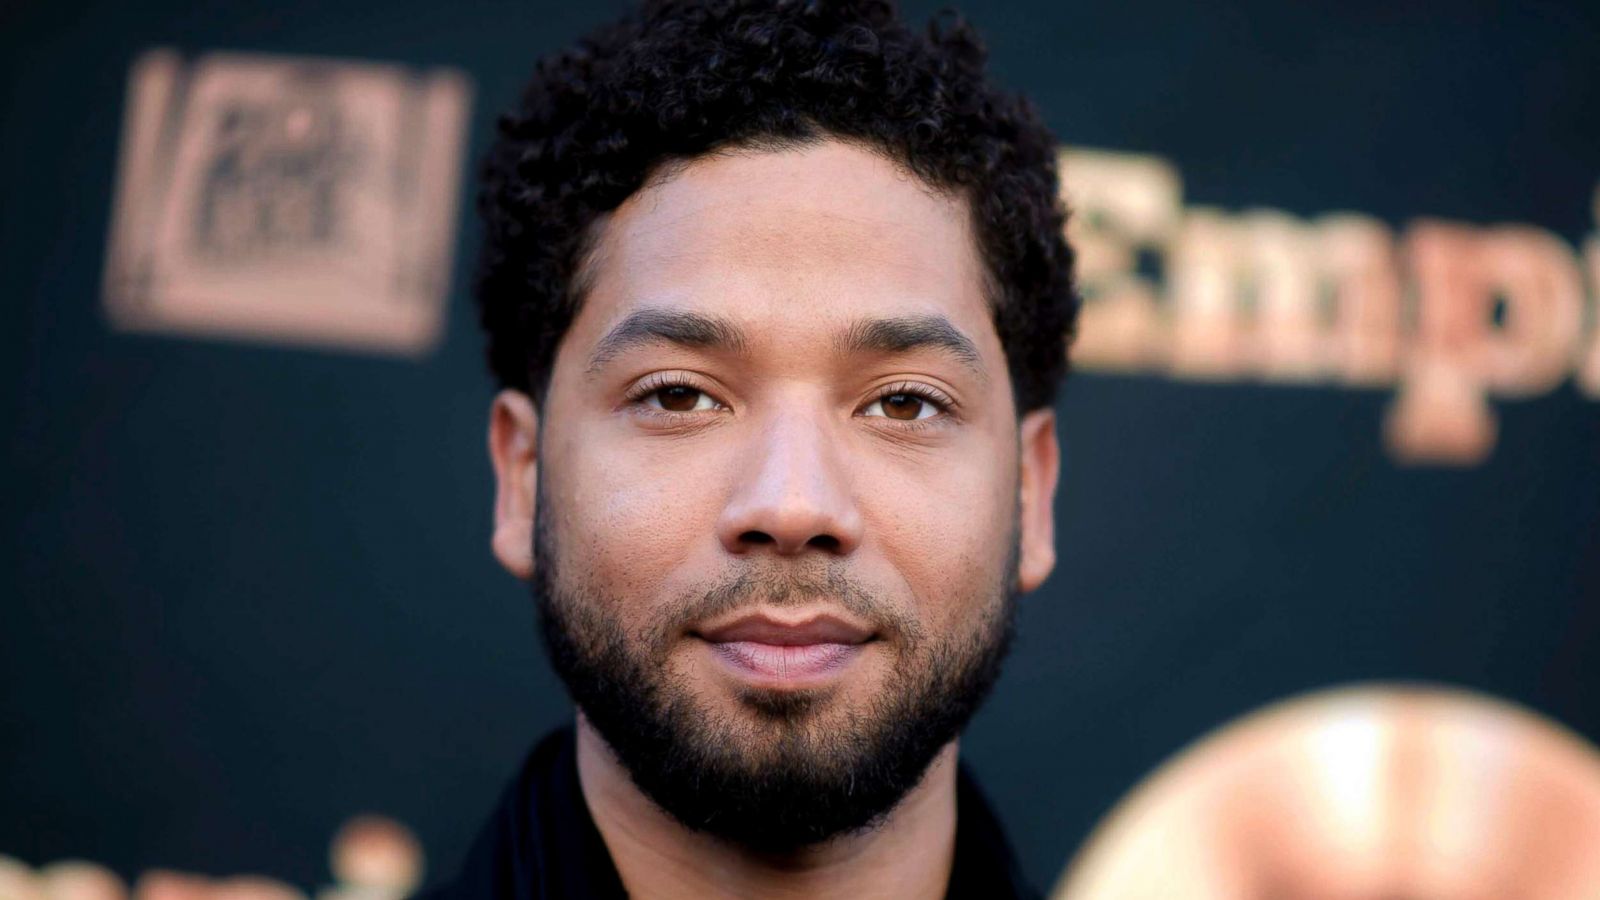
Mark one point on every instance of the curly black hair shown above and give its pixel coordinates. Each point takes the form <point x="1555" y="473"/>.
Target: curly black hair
<point x="677" y="79"/>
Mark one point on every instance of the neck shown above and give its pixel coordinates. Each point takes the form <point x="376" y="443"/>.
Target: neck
<point x="658" y="858"/>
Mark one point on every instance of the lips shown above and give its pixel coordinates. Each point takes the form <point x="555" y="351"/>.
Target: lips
<point x="764" y="629"/>
<point x="774" y="652"/>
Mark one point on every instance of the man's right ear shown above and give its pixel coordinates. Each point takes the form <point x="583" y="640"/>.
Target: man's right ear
<point x="514" y="450"/>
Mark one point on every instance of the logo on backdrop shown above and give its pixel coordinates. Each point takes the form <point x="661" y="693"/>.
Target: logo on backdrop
<point x="1447" y="314"/>
<point x="287" y="198"/>
<point x="309" y="200"/>
<point x="372" y="858"/>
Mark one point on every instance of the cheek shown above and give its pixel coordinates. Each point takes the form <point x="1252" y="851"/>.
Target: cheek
<point x="946" y="528"/>
<point x="629" y="517"/>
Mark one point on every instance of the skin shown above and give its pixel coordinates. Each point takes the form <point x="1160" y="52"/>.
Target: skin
<point x="778" y="450"/>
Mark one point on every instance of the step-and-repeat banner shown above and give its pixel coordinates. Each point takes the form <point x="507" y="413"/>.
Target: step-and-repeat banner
<point x="1328" y="598"/>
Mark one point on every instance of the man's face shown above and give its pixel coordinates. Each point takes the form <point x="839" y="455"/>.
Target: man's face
<point x="782" y="494"/>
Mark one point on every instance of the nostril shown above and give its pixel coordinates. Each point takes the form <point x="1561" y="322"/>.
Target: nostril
<point x="756" y="537"/>
<point x="825" y="542"/>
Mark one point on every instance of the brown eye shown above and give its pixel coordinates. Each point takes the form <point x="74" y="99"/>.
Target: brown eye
<point x="906" y="405"/>
<point x="679" y="398"/>
<point x="902" y="406"/>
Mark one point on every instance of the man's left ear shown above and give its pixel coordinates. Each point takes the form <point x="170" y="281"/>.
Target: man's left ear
<point x="1041" y="468"/>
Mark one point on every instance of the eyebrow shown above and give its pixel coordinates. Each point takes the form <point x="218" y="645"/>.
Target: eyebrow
<point x="687" y="329"/>
<point x="897" y="335"/>
<point x="907" y="333"/>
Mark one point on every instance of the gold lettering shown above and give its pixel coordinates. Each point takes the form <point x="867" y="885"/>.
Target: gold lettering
<point x="1356" y="266"/>
<point x="1439" y="417"/>
<point x="1279" y="264"/>
<point x="1537" y="276"/>
<point x="1208" y="338"/>
<point x="1453" y="315"/>
<point x="373" y="858"/>
<point x="1440" y="414"/>
<point x="1121" y="203"/>
<point x="1467" y="279"/>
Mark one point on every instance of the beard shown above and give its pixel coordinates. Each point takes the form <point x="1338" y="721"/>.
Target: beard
<point x="784" y="769"/>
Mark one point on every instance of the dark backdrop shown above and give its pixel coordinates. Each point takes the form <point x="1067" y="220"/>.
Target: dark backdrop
<point x="245" y="591"/>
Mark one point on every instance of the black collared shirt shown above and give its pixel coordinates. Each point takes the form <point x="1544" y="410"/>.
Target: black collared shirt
<point x="542" y="844"/>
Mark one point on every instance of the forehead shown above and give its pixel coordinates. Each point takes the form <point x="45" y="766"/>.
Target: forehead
<point x="789" y="243"/>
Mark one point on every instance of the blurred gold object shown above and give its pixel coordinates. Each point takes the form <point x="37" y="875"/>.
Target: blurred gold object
<point x="160" y="884"/>
<point x="18" y="881"/>
<point x="79" y="880"/>
<point x="1371" y="793"/>
<point x="376" y="856"/>
<point x="163" y="884"/>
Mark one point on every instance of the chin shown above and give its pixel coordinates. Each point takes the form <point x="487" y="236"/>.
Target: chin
<point x="791" y="706"/>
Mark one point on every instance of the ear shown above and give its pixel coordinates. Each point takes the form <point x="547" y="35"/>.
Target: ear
<point x="1040" y="468"/>
<point x="514" y="450"/>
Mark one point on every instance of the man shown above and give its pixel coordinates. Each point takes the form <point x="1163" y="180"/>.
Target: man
<point x="778" y="298"/>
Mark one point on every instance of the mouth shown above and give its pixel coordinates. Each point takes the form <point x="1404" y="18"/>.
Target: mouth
<point x="787" y="652"/>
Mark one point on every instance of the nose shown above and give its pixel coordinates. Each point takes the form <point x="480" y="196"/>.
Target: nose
<point x="793" y="494"/>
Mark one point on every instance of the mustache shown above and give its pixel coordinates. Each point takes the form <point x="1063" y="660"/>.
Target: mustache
<point x="788" y="586"/>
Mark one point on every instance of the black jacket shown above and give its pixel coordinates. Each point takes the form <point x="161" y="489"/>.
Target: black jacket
<point x="541" y="843"/>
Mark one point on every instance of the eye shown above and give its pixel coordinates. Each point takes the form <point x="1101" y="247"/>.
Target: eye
<point x="672" y="393"/>
<point x="905" y="404"/>
<point x="679" y="398"/>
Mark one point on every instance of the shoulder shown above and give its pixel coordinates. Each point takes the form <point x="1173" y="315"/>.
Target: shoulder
<point x="539" y="842"/>
<point x="985" y="865"/>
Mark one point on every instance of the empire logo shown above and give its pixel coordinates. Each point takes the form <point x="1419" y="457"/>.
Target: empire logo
<point x="301" y="199"/>
<point x="1448" y="314"/>
<point x="372" y="858"/>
